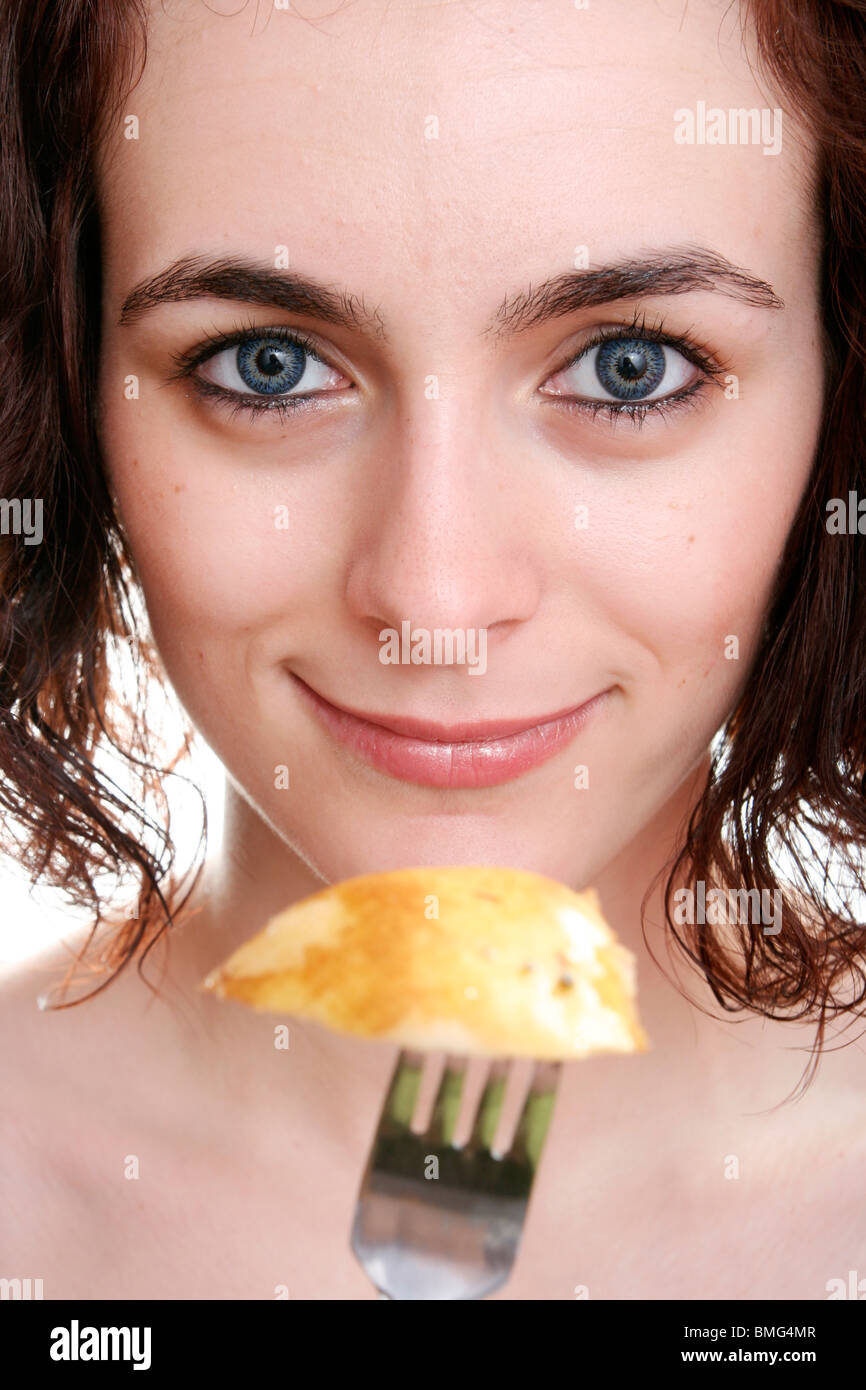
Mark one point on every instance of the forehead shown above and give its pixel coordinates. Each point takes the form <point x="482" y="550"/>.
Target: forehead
<point x="473" y="146"/>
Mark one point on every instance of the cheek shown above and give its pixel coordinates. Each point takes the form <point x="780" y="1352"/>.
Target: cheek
<point x="685" y="584"/>
<point x="670" y="603"/>
<point x="221" y="551"/>
<point x="682" y="560"/>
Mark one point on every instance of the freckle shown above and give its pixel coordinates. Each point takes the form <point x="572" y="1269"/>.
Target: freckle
<point x="180" y="487"/>
<point x="135" y="463"/>
<point x="691" y="539"/>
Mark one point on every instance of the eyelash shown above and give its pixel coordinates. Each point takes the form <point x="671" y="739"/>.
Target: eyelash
<point x="236" y="402"/>
<point x="635" y="411"/>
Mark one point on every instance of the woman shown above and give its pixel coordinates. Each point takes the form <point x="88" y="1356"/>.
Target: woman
<point x="546" y="333"/>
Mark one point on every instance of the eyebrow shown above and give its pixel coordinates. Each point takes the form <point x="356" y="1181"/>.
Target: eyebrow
<point x="195" y="277"/>
<point x="677" y="270"/>
<point x="665" y="272"/>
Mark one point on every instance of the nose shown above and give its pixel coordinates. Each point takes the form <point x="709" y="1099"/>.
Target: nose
<point x="446" y="539"/>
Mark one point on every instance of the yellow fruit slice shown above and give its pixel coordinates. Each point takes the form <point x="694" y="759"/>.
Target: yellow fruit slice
<point x="478" y="961"/>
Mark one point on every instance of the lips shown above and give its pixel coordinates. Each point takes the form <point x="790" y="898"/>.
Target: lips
<point x="460" y="755"/>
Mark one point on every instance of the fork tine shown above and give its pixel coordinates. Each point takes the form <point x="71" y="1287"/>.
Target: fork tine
<point x="536" y="1114"/>
<point x="402" y="1094"/>
<point x="446" y="1107"/>
<point x="490" y="1108"/>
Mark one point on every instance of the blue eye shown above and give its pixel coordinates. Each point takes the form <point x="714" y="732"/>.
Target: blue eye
<point x="269" y="365"/>
<point x="260" y="370"/>
<point x="630" y="368"/>
<point x="632" y="373"/>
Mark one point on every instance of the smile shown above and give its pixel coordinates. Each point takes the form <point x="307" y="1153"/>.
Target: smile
<point x="478" y="754"/>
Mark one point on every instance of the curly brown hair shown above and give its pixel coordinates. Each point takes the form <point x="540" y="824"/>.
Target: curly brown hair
<point x="69" y="602"/>
<point x="789" y="763"/>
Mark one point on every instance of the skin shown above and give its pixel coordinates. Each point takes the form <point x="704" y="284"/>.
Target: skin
<point x="452" y="512"/>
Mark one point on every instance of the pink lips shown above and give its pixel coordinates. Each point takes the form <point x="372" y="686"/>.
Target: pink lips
<point x="481" y="754"/>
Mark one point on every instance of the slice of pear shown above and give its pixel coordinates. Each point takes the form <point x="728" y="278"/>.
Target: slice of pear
<point x="478" y="961"/>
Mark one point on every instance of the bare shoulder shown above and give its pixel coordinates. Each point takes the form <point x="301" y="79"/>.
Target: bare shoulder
<point x="37" y="1090"/>
<point x="48" y="1052"/>
<point x="59" y="1097"/>
<point x="67" y="1052"/>
<point x="30" y="1033"/>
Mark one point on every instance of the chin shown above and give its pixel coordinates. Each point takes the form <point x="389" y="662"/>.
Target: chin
<point x="346" y="847"/>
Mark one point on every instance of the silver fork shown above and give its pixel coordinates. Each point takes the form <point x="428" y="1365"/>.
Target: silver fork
<point x="455" y="1235"/>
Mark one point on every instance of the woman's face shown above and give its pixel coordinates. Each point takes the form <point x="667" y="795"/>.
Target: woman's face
<point x="469" y="456"/>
